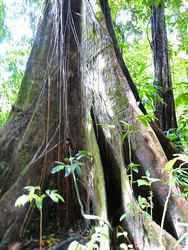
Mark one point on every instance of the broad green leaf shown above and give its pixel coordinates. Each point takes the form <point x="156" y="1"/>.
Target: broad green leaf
<point x="39" y="204"/>
<point x="78" y="171"/>
<point x="147" y="216"/>
<point x="143" y="182"/>
<point x="21" y="201"/>
<point x="39" y="201"/>
<point x="67" y="170"/>
<point x="32" y="196"/>
<point x="169" y="165"/>
<point x="142" y="201"/>
<point x="134" y="167"/>
<point x="123" y="216"/>
<point x="54" y="196"/>
<point x="58" y="168"/>
<point x="82" y="154"/>
<point x="60" y="198"/>
<point x="75" y="168"/>
<point x="32" y="188"/>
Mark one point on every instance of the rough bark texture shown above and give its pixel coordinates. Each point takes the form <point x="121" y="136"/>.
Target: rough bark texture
<point x="82" y="99"/>
<point x="165" y="108"/>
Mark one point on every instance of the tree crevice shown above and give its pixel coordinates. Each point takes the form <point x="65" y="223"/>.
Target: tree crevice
<point x="111" y="173"/>
<point x="112" y="176"/>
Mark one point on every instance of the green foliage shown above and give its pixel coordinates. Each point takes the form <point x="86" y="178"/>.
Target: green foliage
<point x="30" y="197"/>
<point x="179" y="175"/>
<point x="133" y="167"/>
<point x="177" y="19"/>
<point x="54" y="196"/>
<point x="182" y="99"/>
<point x="146" y="180"/>
<point x="138" y="58"/>
<point x="143" y="203"/>
<point x="12" y="65"/>
<point x="179" y="136"/>
<point x="3" y="117"/>
<point x="182" y="132"/>
<point x="15" y="48"/>
<point x="12" y="62"/>
<point x="138" y="10"/>
<point x="2" y="20"/>
<point x="146" y="119"/>
<point x="132" y="26"/>
<point x="73" y="164"/>
<point x="127" y="130"/>
<point x="34" y="195"/>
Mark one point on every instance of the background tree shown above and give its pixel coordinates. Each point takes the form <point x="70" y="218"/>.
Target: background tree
<point x="131" y="22"/>
<point x="165" y="107"/>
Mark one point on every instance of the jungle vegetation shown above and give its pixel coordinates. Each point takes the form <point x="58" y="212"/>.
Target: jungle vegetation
<point x="93" y="124"/>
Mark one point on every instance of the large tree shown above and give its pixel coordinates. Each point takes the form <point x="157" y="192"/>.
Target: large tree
<point x="165" y="106"/>
<point x="77" y="94"/>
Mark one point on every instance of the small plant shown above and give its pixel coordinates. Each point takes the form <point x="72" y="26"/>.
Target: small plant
<point x="127" y="130"/>
<point x="179" y="175"/>
<point x="132" y="168"/>
<point x="143" y="203"/>
<point x="146" y="203"/>
<point x="146" y="119"/>
<point x="35" y="197"/>
<point x="73" y="164"/>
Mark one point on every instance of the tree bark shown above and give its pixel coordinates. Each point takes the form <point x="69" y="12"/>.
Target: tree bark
<point x="165" y="107"/>
<point x="82" y="99"/>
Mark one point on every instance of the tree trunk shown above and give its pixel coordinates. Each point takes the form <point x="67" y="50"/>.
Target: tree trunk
<point x="165" y="107"/>
<point x="76" y="95"/>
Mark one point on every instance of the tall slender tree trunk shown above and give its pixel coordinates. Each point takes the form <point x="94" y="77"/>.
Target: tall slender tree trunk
<point x="165" y="107"/>
<point x="76" y="94"/>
